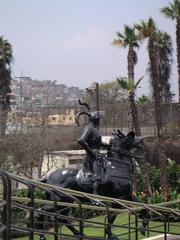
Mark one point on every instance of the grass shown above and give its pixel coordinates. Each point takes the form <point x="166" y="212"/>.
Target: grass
<point x="93" y="229"/>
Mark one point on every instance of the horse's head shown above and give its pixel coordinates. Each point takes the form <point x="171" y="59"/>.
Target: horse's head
<point x="127" y="142"/>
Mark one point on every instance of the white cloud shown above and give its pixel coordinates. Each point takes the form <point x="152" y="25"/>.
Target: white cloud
<point x="92" y="38"/>
<point x="88" y="56"/>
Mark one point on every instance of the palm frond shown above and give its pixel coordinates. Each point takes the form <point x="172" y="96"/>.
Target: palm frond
<point x="5" y="51"/>
<point x="122" y="82"/>
<point x="167" y="12"/>
<point x="172" y="11"/>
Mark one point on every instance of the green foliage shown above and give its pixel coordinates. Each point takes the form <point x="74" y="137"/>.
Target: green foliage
<point x="172" y="11"/>
<point x="154" y="177"/>
<point x="125" y="83"/>
<point x="39" y="194"/>
<point x="173" y="191"/>
<point x="158" y="196"/>
<point x="5" y="51"/>
<point x="128" y="37"/>
<point x="174" y="174"/>
<point x="146" y="29"/>
<point x="143" y="99"/>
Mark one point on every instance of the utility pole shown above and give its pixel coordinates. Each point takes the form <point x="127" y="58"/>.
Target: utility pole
<point x="94" y="95"/>
<point x="21" y="104"/>
<point x="97" y="96"/>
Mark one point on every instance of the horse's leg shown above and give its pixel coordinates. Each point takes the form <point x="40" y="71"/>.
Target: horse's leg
<point x="143" y="214"/>
<point x="40" y="225"/>
<point x="67" y="223"/>
<point x="72" y="229"/>
<point x="108" y="231"/>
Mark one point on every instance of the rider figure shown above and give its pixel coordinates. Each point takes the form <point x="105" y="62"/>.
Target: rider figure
<point x="91" y="141"/>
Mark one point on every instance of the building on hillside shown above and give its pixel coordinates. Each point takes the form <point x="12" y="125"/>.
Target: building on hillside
<point x="62" y="119"/>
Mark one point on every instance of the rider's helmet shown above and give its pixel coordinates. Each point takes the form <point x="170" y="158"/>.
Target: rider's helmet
<point x="94" y="116"/>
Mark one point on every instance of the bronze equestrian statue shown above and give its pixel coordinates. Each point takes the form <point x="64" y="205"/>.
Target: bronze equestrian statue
<point x="115" y="169"/>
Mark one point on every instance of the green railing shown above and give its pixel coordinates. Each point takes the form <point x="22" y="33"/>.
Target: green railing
<point x="89" y="216"/>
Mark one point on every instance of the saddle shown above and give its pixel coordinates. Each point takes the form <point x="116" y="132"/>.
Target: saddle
<point x="84" y="178"/>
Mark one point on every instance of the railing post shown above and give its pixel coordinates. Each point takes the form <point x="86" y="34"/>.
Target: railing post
<point x="129" y="226"/>
<point x="165" y="227"/>
<point x="31" y="217"/>
<point x="136" y="226"/>
<point x="7" y="205"/>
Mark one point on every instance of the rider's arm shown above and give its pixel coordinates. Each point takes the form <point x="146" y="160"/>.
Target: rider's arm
<point x="83" y="141"/>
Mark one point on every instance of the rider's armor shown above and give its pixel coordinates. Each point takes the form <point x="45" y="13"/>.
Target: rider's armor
<point x="90" y="140"/>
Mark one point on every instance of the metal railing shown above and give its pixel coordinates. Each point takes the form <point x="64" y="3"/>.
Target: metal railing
<point x="90" y="221"/>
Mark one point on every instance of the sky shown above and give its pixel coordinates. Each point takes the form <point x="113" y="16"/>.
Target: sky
<point x="71" y="40"/>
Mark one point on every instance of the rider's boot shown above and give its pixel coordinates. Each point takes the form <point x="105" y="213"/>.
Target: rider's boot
<point x="96" y="202"/>
<point x="98" y="171"/>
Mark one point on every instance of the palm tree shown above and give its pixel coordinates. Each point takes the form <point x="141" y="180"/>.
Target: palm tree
<point x="143" y="99"/>
<point x="148" y="30"/>
<point x="131" y="40"/>
<point x="173" y="12"/>
<point x="5" y="61"/>
<point x="164" y="45"/>
<point x="130" y="87"/>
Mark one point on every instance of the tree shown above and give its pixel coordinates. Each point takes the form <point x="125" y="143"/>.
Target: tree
<point x="143" y="99"/>
<point x="173" y="12"/>
<point x="131" y="40"/>
<point x="130" y="86"/>
<point x="5" y="61"/>
<point x="164" y="46"/>
<point x="148" y="30"/>
<point x="109" y="92"/>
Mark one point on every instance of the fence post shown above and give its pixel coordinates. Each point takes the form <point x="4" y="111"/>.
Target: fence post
<point x="6" y="204"/>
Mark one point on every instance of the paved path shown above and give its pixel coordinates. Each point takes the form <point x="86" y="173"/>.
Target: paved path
<point x="161" y="237"/>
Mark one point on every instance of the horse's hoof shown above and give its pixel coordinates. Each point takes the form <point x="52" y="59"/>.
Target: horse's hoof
<point x="42" y="238"/>
<point x="142" y="231"/>
<point x="114" y="238"/>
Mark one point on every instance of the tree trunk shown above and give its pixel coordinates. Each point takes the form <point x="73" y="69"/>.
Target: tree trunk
<point x="130" y="63"/>
<point x="133" y="122"/>
<point x="3" y="118"/>
<point x="153" y="51"/>
<point x="145" y="171"/>
<point x="178" y="51"/>
<point x="155" y="83"/>
<point x="163" y="166"/>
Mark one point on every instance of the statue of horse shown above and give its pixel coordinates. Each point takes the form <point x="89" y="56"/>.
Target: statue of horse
<point x="116" y="179"/>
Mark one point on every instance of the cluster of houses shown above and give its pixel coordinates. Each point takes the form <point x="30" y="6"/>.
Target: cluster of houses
<point x="35" y="103"/>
